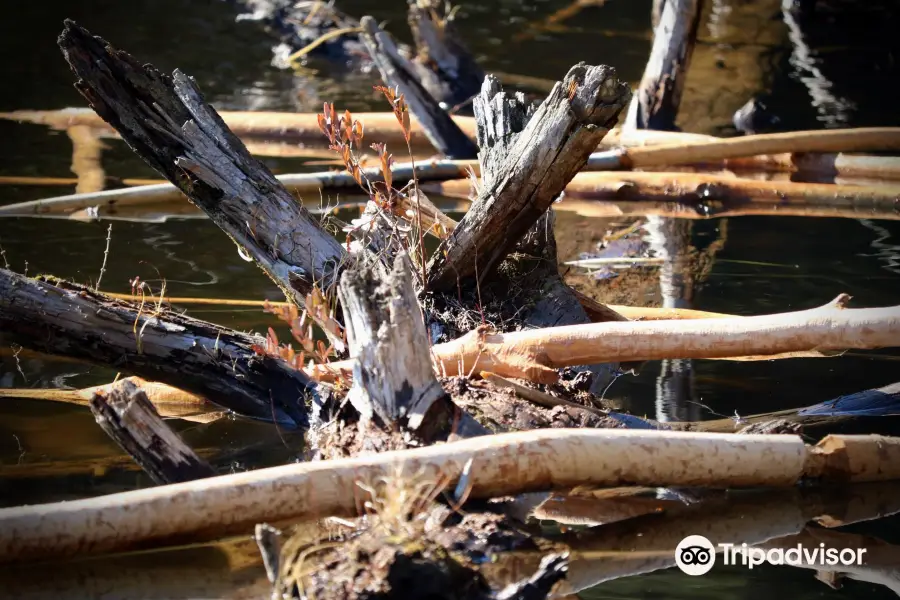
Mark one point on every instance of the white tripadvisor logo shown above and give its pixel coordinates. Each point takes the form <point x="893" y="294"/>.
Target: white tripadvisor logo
<point x="695" y="555"/>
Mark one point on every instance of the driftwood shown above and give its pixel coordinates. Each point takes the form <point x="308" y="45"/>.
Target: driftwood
<point x="540" y="158"/>
<point x="784" y="151"/>
<point x="701" y="195"/>
<point x="870" y="411"/>
<point x="186" y="141"/>
<point x="399" y="73"/>
<point x="439" y="63"/>
<point x="129" y="418"/>
<point x="159" y="344"/>
<point x="697" y="195"/>
<point x="168" y="401"/>
<point x="536" y="354"/>
<point x="256" y="125"/>
<point x="303" y="183"/>
<point x="503" y="464"/>
<point x="662" y="84"/>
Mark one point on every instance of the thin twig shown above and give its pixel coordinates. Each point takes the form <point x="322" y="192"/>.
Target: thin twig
<point x="3" y="255"/>
<point x="105" y="256"/>
<point x="16" y="349"/>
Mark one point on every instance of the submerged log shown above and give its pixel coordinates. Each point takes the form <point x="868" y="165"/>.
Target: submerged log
<point x="539" y="160"/>
<point x="502" y="465"/>
<point x="167" y="122"/>
<point x="148" y="340"/>
<point x="130" y="419"/>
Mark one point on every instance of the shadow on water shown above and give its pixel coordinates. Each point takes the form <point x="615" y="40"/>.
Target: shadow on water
<point x="807" y="69"/>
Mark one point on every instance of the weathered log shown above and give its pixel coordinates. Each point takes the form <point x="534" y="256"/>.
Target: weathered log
<point x="443" y="65"/>
<point x="538" y="163"/>
<point x="167" y="122"/>
<point x="659" y="94"/>
<point x="399" y="73"/>
<point x="153" y="342"/>
<point x="504" y="464"/>
<point x="130" y="419"/>
<point x="393" y="376"/>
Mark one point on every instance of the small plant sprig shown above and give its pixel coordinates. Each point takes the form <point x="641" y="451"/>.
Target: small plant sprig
<point x="301" y="325"/>
<point x="401" y="111"/>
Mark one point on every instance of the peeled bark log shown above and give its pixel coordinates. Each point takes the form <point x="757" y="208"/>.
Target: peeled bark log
<point x="256" y="125"/>
<point x="167" y="400"/>
<point x="302" y="183"/>
<point x="542" y="159"/>
<point x="701" y="195"/>
<point x="503" y="465"/>
<point x="398" y="72"/>
<point x="166" y="121"/>
<point x="786" y="151"/>
<point x="216" y="363"/>
<point x="129" y="418"/>
<point x="536" y="354"/>
<point x="659" y="94"/>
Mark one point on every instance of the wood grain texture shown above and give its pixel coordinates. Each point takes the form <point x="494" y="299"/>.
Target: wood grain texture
<point x="541" y="157"/>
<point x="216" y="363"/>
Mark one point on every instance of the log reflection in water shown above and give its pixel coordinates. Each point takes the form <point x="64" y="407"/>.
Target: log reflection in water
<point x="229" y="570"/>
<point x="768" y="519"/>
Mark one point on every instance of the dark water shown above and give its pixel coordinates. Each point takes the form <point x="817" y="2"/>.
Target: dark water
<point x="52" y="451"/>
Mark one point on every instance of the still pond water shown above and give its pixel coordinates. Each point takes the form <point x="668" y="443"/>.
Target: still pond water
<point x="833" y="69"/>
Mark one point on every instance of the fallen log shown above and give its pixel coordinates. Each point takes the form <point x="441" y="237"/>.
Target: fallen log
<point x="302" y="183"/>
<point x="444" y="67"/>
<point x="129" y="418"/>
<point x="681" y="195"/>
<point x="536" y="354"/>
<point x="700" y="195"/>
<point x="186" y="141"/>
<point x="151" y="341"/>
<point x="816" y="151"/>
<point x="167" y="400"/>
<point x="538" y="162"/>
<point x="254" y="125"/>
<point x="504" y="464"/>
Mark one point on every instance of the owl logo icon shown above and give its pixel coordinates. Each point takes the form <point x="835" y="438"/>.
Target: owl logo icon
<point x="695" y="555"/>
